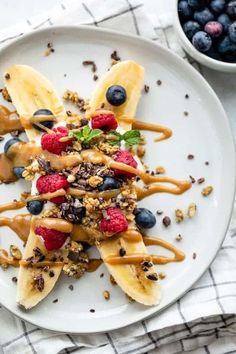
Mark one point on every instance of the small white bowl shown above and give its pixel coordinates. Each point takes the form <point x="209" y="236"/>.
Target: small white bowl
<point x="194" y="53"/>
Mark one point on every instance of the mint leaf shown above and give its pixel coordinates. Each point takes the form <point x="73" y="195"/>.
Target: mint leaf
<point x="86" y="131"/>
<point x="131" y="134"/>
<point x="114" y="142"/>
<point x="93" y="133"/>
<point x="113" y="132"/>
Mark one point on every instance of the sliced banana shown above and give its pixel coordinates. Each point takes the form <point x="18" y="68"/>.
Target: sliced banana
<point x="30" y="91"/>
<point x="131" y="278"/>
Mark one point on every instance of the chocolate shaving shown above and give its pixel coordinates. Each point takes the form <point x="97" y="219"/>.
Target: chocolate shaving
<point x="90" y="63"/>
<point x="192" y="179"/>
<point x="201" y="180"/>
<point x="115" y="56"/>
<point x="166" y="221"/>
<point x="152" y="276"/>
<point x="7" y="76"/>
<point x="39" y="282"/>
<point x="146" y="88"/>
<point x="122" y="252"/>
<point x="45" y="165"/>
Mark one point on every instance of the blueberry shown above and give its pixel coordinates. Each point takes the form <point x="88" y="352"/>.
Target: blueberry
<point x="190" y="28"/>
<point x="225" y="21"/>
<point x="202" y="41"/>
<point x="213" y="53"/>
<point x="198" y="4"/>
<point x="9" y="143"/>
<point x="231" y="9"/>
<point x="217" y="6"/>
<point x="184" y="10"/>
<point x="203" y="16"/>
<point x="213" y="28"/>
<point x="232" y="32"/>
<point x="109" y="183"/>
<point x="35" y="206"/>
<point x="227" y="49"/>
<point x="47" y="123"/>
<point x="116" y="95"/>
<point x="144" y="218"/>
<point x="18" y="171"/>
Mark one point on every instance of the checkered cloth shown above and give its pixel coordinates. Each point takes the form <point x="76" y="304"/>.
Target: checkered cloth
<point x="204" y="320"/>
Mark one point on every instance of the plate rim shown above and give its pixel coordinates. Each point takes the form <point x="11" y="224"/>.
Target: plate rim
<point x="155" y="309"/>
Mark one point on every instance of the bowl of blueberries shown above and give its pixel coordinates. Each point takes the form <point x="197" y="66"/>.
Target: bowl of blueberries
<point x="207" y="31"/>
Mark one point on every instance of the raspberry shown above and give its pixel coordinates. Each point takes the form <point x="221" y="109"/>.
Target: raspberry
<point x="104" y="121"/>
<point x="51" y="143"/>
<point x="113" y="222"/>
<point x="125" y="157"/>
<point x="51" y="183"/>
<point x="53" y="239"/>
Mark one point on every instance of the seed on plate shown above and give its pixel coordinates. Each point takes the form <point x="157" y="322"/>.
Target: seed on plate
<point x="90" y="63"/>
<point x="207" y="163"/>
<point x="207" y="190"/>
<point x="159" y="212"/>
<point x="95" y="77"/>
<point x="106" y="295"/>
<point x="146" y="88"/>
<point x="186" y="96"/>
<point x="192" y="179"/>
<point x="159" y="82"/>
<point x="14" y="279"/>
<point x="194" y="255"/>
<point x="7" y="76"/>
<point x="190" y="157"/>
<point x="55" y="301"/>
<point x="162" y="275"/>
<point x="15" y="252"/>
<point x="192" y="208"/>
<point x="92" y="310"/>
<point x="160" y="170"/>
<point x="201" y="180"/>
<point x="179" y="237"/>
<point x="186" y="113"/>
<point x="115" y="56"/>
<point x="179" y="215"/>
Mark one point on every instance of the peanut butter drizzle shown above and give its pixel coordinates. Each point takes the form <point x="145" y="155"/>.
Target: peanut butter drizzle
<point x="6" y="170"/>
<point x="20" y="224"/>
<point x="137" y="258"/>
<point x="55" y="224"/>
<point x="166" y="133"/>
<point x="131" y="235"/>
<point x="47" y="196"/>
<point x="15" y="204"/>
<point x="94" y="264"/>
<point x="9" y="121"/>
<point x="106" y="194"/>
<point x="25" y="263"/>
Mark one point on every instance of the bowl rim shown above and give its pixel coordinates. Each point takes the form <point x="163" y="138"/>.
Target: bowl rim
<point x="201" y="57"/>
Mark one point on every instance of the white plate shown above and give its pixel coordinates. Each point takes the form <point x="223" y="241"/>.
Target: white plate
<point x="205" y="133"/>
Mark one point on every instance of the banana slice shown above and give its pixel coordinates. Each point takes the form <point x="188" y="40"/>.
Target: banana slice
<point x="31" y="91"/>
<point x="127" y="74"/>
<point x="131" y="278"/>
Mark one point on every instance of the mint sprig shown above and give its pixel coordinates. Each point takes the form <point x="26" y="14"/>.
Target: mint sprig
<point x="86" y="134"/>
<point x="131" y="137"/>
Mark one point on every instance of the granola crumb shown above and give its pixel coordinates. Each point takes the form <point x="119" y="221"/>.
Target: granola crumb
<point x="194" y="255"/>
<point x="179" y="215"/>
<point x="179" y="237"/>
<point x="166" y="221"/>
<point x="162" y="275"/>
<point x="95" y="181"/>
<point x="49" y="50"/>
<point x="115" y="56"/>
<point x="71" y="178"/>
<point x="7" y="76"/>
<point x="142" y="140"/>
<point x="207" y="190"/>
<point x="106" y="295"/>
<point x="15" y="252"/>
<point x="201" y="180"/>
<point x="192" y="208"/>
<point x="160" y="170"/>
<point x="112" y="280"/>
<point x="129" y="298"/>
<point x="140" y="150"/>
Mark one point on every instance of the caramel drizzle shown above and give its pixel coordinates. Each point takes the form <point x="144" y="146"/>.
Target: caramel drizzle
<point x="9" y="121"/>
<point x="14" y="205"/>
<point x="6" y="260"/>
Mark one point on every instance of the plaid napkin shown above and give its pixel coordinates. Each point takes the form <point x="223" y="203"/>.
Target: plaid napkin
<point x="204" y="320"/>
